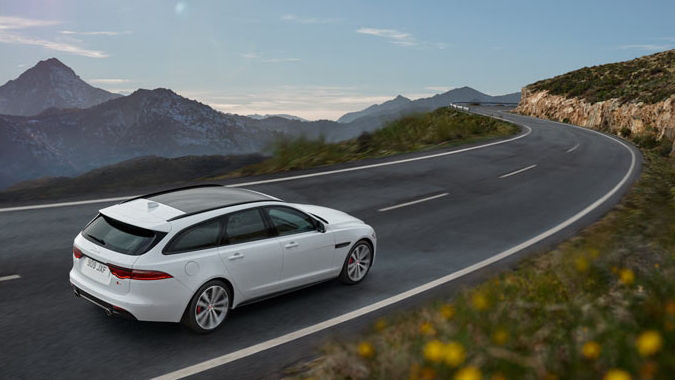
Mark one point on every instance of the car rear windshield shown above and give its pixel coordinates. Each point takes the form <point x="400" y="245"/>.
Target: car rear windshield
<point x="121" y="237"/>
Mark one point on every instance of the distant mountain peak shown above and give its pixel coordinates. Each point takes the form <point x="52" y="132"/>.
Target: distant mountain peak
<point x="49" y="84"/>
<point x="51" y="62"/>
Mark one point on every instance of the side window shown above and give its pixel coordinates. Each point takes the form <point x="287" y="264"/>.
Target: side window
<point x="288" y="221"/>
<point x="201" y="236"/>
<point x="245" y="226"/>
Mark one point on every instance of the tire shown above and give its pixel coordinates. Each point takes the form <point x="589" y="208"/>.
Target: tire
<point x="357" y="263"/>
<point x="209" y="307"/>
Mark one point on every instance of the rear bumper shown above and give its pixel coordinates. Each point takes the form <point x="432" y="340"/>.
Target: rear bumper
<point x="110" y="310"/>
<point x="158" y="301"/>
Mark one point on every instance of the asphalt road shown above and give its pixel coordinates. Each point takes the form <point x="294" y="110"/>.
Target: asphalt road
<point x="496" y="199"/>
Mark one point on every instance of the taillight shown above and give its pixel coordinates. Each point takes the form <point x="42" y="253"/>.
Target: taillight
<point x="137" y="274"/>
<point x="77" y="253"/>
<point x="148" y="275"/>
<point x="119" y="272"/>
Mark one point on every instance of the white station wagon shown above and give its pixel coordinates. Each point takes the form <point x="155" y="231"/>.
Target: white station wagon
<point x="191" y="254"/>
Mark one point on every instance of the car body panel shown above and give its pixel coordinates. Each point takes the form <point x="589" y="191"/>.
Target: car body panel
<point x="143" y="213"/>
<point x="307" y="257"/>
<point x="255" y="266"/>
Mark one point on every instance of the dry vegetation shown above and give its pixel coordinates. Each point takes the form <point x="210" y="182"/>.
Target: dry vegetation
<point x="649" y="79"/>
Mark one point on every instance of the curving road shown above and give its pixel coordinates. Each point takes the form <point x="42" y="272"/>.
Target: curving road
<point x="439" y="216"/>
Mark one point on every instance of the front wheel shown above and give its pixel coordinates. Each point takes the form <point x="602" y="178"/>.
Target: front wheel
<point x="357" y="264"/>
<point x="208" y="308"/>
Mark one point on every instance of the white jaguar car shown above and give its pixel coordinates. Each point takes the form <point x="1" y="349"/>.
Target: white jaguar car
<point x="191" y="254"/>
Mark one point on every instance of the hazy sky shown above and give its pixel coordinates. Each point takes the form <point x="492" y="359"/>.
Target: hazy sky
<point x="320" y="59"/>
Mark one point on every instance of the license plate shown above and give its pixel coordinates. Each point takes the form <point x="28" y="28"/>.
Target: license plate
<point x="96" y="270"/>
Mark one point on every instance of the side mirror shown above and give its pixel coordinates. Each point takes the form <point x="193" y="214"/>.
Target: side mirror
<point x="320" y="227"/>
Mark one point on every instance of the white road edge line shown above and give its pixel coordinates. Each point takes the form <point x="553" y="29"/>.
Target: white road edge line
<point x="65" y="204"/>
<point x="518" y="171"/>
<point x="248" y="351"/>
<point x="412" y="202"/>
<point x="10" y="277"/>
<point x="290" y="178"/>
<point x="572" y="149"/>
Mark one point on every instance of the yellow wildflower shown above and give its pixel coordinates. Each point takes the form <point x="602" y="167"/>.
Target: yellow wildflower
<point x="617" y="374"/>
<point x="366" y="350"/>
<point x="500" y="336"/>
<point x="591" y="350"/>
<point x="649" y="342"/>
<point x="468" y="373"/>
<point x="454" y="354"/>
<point x="581" y="264"/>
<point x="380" y="324"/>
<point x="427" y="328"/>
<point x="433" y="351"/>
<point x="447" y="311"/>
<point x="479" y="301"/>
<point x="626" y="276"/>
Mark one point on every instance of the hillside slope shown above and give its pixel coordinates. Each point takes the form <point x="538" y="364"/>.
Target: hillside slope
<point x="635" y="97"/>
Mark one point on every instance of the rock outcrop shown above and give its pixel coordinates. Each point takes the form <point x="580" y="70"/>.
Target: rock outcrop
<point x="610" y="115"/>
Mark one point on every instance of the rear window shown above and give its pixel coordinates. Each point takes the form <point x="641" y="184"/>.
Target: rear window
<point x="121" y="237"/>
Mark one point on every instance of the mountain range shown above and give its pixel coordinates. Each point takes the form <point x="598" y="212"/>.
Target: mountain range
<point x="55" y="124"/>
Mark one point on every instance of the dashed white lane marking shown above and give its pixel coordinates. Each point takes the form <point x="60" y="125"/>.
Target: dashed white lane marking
<point x="10" y="277"/>
<point x="290" y="178"/>
<point x="275" y="342"/>
<point x="412" y="202"/>
<point x="518" y="171"/>
<point x="572" y="149"/>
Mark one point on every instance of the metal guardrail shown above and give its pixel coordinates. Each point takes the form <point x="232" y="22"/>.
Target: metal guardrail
<point x="458" y="107"/>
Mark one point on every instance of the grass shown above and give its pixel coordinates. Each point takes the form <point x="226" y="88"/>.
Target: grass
<point x="440" y="128"/>
<point x="599" y="306"/>
<point x="649" y="79"/>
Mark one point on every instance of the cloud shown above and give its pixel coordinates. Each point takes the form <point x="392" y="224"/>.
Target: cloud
<point x="9" y="35"/>
<point x="250" y="55"/>
<point x="16" y="39"/>
<point x="109" y="81"/>
<point x="307" y="20"/>
<point x="310" y="101"/>
<point x="8" y="22"/>
<point x="391" y="34"/>
<point x="96" y="33"/>
<point x="644" y="47"/>
<point x="400" y="38"/>
<point x="277" y="60"/>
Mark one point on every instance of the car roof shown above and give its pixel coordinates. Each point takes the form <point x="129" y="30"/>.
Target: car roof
<point x="156" y="209"/>
<point x="199" y="199"/>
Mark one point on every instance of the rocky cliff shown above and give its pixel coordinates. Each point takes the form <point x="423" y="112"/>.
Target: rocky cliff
<point x="609" y="115"/>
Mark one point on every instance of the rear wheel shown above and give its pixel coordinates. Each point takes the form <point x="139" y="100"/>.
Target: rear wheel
<point x="357" y="264"/>
<point x="208" y="308"/>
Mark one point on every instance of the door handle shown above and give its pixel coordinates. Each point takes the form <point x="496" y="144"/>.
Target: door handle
<point x="236" y="256"/>
<point x="291" y="245"/>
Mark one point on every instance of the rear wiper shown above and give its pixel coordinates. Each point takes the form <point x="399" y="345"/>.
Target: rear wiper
<point x="97" y="239"/>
